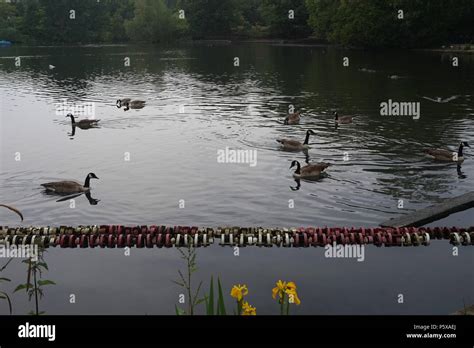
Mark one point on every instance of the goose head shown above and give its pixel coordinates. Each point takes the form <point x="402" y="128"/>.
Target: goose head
<point x="464" y="143"/>
<point x="92" y="176"/>
<point x="295" y="163"/>
<point x="88" y="180"/>
<point x="310" y="131"/>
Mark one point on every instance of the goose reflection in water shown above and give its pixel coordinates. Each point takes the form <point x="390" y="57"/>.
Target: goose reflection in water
<point x="92" y="201"/>
<point x="461" y="174"/>
<point x="308" y="180"/>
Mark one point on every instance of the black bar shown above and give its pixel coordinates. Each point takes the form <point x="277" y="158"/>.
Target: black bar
<point x="288" y="330"/>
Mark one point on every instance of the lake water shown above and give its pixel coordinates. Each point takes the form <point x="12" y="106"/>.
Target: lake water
<point x="199" y="102"/>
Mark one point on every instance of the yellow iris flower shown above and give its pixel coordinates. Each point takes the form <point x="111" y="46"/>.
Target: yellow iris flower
<point x="247" y="309"/>
<point x="286" y="288"/>
<point x="239" y="291"/>
<point x="279" y="289"/>
<point x="291" y="286"/>
<point x="293" y="297"/>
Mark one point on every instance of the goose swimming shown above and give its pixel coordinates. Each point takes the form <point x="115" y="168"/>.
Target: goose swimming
<point x="292" y="119"/>
<point x="68" y="187"/>
<point x="294" y="145"/>
<point x="83" y="124"/>
<point x="308" y="171"/>
<point x="447" y="155"/>
<point x="342" y="119"/>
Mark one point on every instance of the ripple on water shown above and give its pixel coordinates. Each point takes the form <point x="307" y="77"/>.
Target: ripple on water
<point x="194" y="110"/>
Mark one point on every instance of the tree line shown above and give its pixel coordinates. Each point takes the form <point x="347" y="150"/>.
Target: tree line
<point x="362" y="23"/>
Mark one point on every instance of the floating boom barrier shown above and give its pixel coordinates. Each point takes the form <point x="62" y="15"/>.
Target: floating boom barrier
<point x="116" y="236"/>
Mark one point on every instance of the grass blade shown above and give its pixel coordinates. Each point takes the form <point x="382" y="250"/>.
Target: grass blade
<point x="8" y="300"/>
<point x="220" y="300"/>
<point x="210" y="303"/>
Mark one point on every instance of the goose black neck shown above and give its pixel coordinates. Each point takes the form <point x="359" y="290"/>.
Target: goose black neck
<point x="298" y="167"/>
<point x="87" y="182"/>
<point x="306" y="140"/>
<point x="460" y="154"/>
<point x="72" y="119"/>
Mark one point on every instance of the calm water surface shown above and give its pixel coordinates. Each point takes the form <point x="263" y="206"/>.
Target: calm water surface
<point x="198" y="102"/>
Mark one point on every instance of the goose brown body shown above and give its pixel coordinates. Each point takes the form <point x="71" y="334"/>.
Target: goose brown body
<point x="134" y="104"/>
<point x="310" y="170"/>
<point x="295" y="145"/>
<point x="292" y="119"/>
<point x="83" y="124"/>
<point x="342" y="119"/>
<point x="68" y="187"/>
<point x="130" y="104"/>
<point x="447" y="155"/>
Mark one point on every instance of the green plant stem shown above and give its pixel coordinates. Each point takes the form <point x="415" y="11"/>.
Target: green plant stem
<point x="36" y="291"/>
<point x="239" y="307"/>
<point x="190" y="299"/>
<point x="282" y="303"/>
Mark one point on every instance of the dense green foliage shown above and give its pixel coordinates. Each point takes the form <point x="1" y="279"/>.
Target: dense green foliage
<point x="377" y="23"/>
<point x="153" y="22"/>
<point x="368" y="23"/>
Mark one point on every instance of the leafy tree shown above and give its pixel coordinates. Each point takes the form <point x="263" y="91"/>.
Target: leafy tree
<point x="375" y="23"/>
<point x="154" y="22"/>
<point x="208" y="18"/>
<point x="276" y="15"/>
<point x="9" y="22"/>
<point x="367" y="23"/>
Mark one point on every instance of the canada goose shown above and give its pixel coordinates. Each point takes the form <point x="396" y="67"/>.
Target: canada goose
<point x="342" y="119"/>
<point x="83" y="124"/>
<point x="13" y="209"/>
<point x="293" y="118"/>
<point x="123" y="101"/>
<point x="67" y="187"/>
<point x="134" y="104"/>
<point x="294" y="145"/>
<point x="447" y="155"/>
<point x="308" y="171"/>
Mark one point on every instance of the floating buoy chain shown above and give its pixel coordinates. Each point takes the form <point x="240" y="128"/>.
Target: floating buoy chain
<point x="112" y="236"/>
